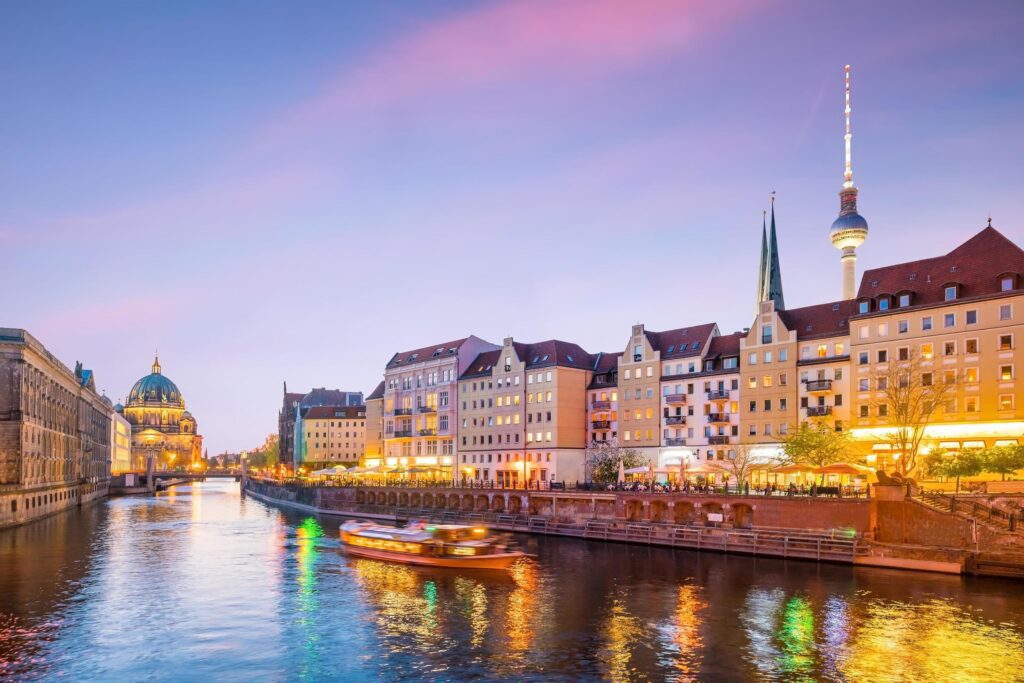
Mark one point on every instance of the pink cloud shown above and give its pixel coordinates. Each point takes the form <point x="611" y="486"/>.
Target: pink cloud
<point x="515" y="41"/>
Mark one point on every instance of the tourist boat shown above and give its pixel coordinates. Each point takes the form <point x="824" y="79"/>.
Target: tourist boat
<point x="430" y="545"/>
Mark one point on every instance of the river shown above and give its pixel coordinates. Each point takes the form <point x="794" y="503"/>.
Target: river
<point x="201" y="583"/>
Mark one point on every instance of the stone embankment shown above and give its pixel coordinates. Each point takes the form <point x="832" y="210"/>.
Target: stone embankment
<point x="889" y="529"/>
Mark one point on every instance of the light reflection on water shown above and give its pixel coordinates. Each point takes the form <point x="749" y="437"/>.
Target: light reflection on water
<point x="201" y="583"/>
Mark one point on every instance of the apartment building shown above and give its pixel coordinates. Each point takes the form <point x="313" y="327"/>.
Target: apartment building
<point x="961" y="315"/>
<point x="523" y="413"/>
<point x="700" y="415"/>
<point x="330" y="435"/>
<point x="767" y="376"/>
<point x="603" y="399"/>
<point x="823" y="362"/>
<point x="420" y="410"/>
<point x="374" y="443"/>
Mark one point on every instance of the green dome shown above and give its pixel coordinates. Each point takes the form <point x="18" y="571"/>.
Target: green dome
<point x="156" y="389"/>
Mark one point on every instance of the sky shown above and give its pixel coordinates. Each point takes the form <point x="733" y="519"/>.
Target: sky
<point x="271" y="191"/>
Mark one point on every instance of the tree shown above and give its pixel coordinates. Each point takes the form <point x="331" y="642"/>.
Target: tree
<point x="817" y="444"/>
<point x="909" y="392"/>
<point x="603" y="459"/>
<point x="1003" y="460"/>
<point x="740" y="464"/>
<point x="966" y="463"/>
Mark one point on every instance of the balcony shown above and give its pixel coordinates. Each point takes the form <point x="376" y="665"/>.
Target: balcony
<point x="402" y="433"/>
<point x="675" y="419"/>
<point x="601" y="424"/>
<point x="819" y="385"/>
<point x="601" y="405"/>
<point x="819" y="411"/>
<point x="675" y="399"/>
<point x="402" y="411"/>
<point x="428" y="409"/>
<point x="675" y="442"/>
<point x="428" y="432"/>
<point x="718" y="395"/>
<point x="718" y="418"/>
<point x="718" y="440"/>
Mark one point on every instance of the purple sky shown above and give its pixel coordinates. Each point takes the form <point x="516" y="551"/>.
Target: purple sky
<point x="270" y="191"/>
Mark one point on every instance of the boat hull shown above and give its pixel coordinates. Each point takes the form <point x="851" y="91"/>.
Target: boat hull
<point x="494" y="561"/>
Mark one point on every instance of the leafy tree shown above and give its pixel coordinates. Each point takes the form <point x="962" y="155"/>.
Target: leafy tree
<point x="910" y="392"/>
<point x="1003" y="460"/>
<point x="966" y="463"/>
<point x="816" y="444"/>
<point x="740" y="464"/>
<point x="603" y="459"/>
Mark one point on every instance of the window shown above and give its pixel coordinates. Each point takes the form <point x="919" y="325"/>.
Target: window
<point x="971" y="317"/>
<point x="903" y="326"/>
<point x="1005" y="372"/>
<point x="926" y="323"/>
<point x="883" y="329"/>
<point x="767" y="380"/>
<point x="864" y="331"/>
<point x="783" y="355"/>
<point x="767" y="356"/>
<point x="883" y="356"/>
<point x="904" y="300"/>
<point x="1005" y="401"/>
<point x="752" y="383"/>
<point x="883" y="410"/>
<point x="1005" y="342"/>
<point x="766" y="334"/>
<point x="926" y="379"/>
<point x="970" y="375"/>
<point x="883" y="383"/>
<point x="971" y="404"/>
<point x="949" y="320"/>
<point x="883" y="303"/>
<point x="783" y="379"/>
<point x="971" y="346"/>
<point x="752" y="360"/>
<point x="1006" y="284"/>
<point x="927" y="351"/>
<point x="753" y="406"/>
<point x="951" y="293"/>
<point x="863" y="306"/>
<point x="783" y="403"/>
<point x="822" y="350"/>
<point x="1005" y="312"/>
<point x="862" y="358"/>
<point x="767" y="404"/>
<point x="864" y="384"/>
<point x="949" y="348"/>
<point x="864" y="411"/>
<point x="903" y="353"/>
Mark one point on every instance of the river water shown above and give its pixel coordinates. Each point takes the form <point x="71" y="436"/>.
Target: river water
<point x="201" y="583"/>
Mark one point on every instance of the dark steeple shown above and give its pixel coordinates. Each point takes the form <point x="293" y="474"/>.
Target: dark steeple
<point x="770" y="274"/>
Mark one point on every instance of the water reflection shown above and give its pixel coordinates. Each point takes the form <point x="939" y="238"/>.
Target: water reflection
<point x="201" y="583"/>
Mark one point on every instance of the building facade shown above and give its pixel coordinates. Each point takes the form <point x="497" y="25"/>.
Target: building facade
<point x="55" y="432"/>
<point x="374" y="448"/>
<point x="330" y="435"/>
<point x="121" y="446"/>
<point x="295" y="406"/>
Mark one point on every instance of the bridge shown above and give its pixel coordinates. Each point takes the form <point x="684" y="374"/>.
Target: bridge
<point x="198" y="476"/>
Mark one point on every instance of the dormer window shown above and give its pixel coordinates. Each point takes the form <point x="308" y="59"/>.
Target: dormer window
<point x="904" y="300"/>
<point x="950" y="292"/>
<point x="883" y="303"/>
<point x="1006" y="283"/>
<point x="864" y="306"/>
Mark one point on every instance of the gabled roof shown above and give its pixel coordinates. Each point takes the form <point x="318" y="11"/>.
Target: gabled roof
<point x="291" y="399"/>
<point x="820" y="320"/>
<point x="432" y="352"/>
<point x="377" y="393"/>
<point x="680" y="343"/>
<point x="725" y="345"/>
<point x="554" y="352"/>
<point x="605" y="361"/>
<point x="975" y="266"/>
<point x="482" y="365"/>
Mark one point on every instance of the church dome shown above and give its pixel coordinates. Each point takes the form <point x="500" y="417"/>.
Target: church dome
<point x="156" y="389"/>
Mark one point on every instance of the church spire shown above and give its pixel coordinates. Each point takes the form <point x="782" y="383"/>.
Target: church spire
<point x="770" y="276"/>
<point x="156" y="365"/>
<point x="761" y="283"/>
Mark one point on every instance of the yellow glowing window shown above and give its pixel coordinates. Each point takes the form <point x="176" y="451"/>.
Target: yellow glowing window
<point x="767" y="380"/>
<point x="1006" y="402"/>
<point x="752" y="383"/>
<point x="970" y="375"/>
<point x="927" y="351"/>
<point x="1006" y="372"/>
<point x="822" y="350"/>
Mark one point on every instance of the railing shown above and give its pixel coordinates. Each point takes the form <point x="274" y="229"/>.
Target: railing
<point x="428" y="409"/>
<point x="819" y="385"/>
<point x="972" y="507"/>
<point x="718" y="395"/>
<point x="819" y="411"/>
<point x="402" y="433"/>
<point x="601" y="424"/>
<point x="718" y="440"/>
<point x="675" y="399"/>
<point x="675" y="442"/>
<point x="402" y="411"/>
<point x="718" y="417"/>
<point x="428" y="432"/>
<point x="601" y="405"/>
<point x="675" y="419"/>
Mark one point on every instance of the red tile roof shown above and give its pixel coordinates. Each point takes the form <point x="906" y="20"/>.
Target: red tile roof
<point x="482" y="365"/>
<point x="445" y="350"/>
<point x="554" y="352"/>
<point x="975" y="265"/>
<point x="820" y="320"/>
<point x="682" y="342"/>
<point x="326" y="412"/>
<point x="605" y="361"/>
<point x="725" y="345"/>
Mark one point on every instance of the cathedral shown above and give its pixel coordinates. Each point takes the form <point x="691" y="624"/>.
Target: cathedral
<point x="161" y="426"/>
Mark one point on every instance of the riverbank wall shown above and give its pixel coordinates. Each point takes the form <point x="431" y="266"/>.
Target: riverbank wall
<point x="21" y="506"/>
<point x="890" y="529"/>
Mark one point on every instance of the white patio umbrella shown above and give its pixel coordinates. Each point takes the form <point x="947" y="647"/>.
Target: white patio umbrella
<point x="622" y="472"/>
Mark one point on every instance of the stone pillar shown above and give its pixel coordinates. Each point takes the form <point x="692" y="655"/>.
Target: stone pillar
<point x="150" y="483"/>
